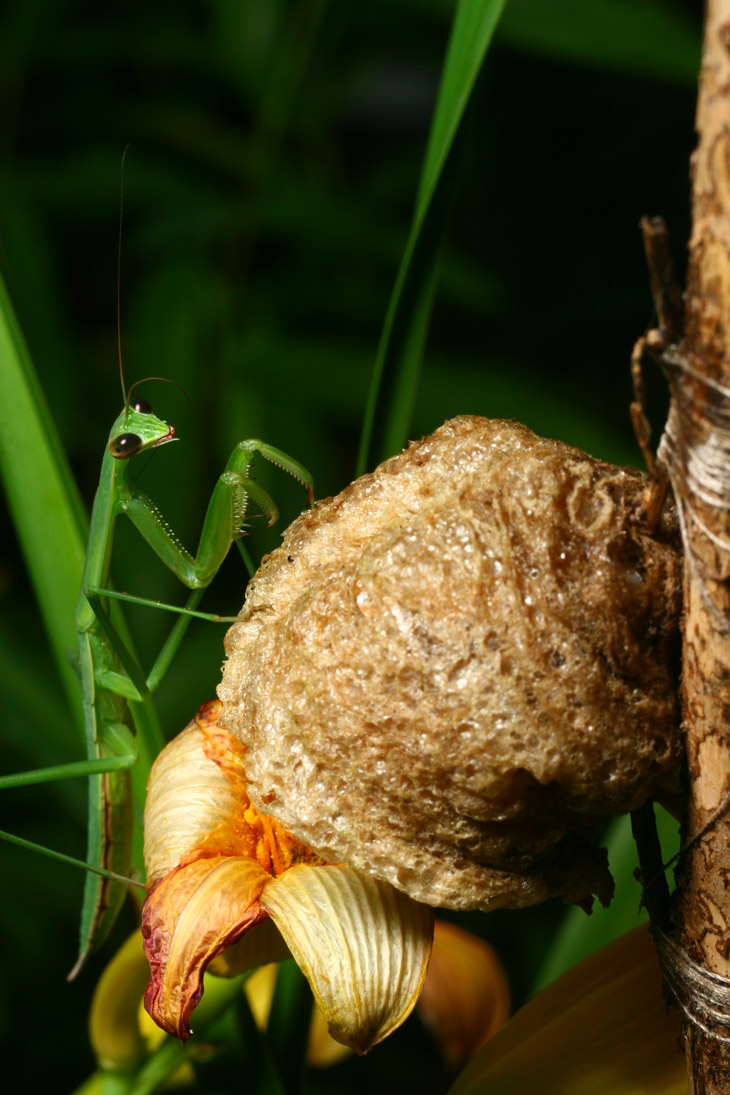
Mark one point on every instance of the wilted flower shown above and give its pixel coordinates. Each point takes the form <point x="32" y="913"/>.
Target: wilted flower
<point x="219" y="871"/>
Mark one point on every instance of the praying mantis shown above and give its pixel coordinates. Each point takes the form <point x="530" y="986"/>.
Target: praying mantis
<point x="121" y="726"/>
<point x="109" y="674"/>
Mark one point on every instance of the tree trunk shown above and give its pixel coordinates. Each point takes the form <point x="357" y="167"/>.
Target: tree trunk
<point x="695" y="450"/>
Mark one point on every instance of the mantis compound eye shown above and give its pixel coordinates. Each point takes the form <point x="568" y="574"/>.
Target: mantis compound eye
<point x="142" y="406"/>
<point x="126" y="444"/>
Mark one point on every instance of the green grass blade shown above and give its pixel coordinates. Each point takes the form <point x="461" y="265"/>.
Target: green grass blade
<point x="474" y="24"/>
<point x="407" y="333"/>
<point x="43" y="499"/>
<point x="287" y="1029"/>
<point x="404" y="332"/>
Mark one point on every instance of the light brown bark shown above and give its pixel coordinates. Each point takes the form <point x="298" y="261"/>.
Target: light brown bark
<point x="696" y="449"/>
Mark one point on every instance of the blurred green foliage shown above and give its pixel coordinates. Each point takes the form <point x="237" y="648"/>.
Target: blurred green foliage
<point x="276" y="153"/>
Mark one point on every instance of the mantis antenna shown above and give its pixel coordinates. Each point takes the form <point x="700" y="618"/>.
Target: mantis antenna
<point x="126" y="396"/>
<point x="119" y="273"/>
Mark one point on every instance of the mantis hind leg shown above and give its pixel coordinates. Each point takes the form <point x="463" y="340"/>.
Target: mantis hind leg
<point x="111" y="828"/>
<point x="132" y="684"/>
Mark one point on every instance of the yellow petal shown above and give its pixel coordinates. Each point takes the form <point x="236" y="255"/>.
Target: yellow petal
<point x="362" y="945"/>
<point x="259" y="990"/>
<point x="465" y="997"/>
<point x="601" y="1028"/>
<point x="190" y="799"/>
<point x="189" y="917"/>
<point x="113" y="1026"/>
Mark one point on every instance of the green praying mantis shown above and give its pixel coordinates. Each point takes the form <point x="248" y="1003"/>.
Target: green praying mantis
<point x="121" y="726"/>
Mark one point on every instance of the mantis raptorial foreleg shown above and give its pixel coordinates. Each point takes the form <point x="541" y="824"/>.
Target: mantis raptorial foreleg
<point x="224" y="520"/>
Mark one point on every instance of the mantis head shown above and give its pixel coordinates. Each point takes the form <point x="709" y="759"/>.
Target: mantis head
<point x="138" y="429"/>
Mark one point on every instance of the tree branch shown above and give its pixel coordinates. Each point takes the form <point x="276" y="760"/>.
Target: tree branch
<point x="695" y="452"/>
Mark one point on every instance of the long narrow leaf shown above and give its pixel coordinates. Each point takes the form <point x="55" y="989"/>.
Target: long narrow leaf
<point x="398" y="358"/>
<point x="43" y="499"/>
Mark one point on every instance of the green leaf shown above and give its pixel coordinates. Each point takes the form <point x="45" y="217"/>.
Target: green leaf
<point x="43" y="499"/>
<point x="397" y="364"/>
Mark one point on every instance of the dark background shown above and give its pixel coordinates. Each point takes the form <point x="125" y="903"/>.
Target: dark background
<point x="275" y="153"/>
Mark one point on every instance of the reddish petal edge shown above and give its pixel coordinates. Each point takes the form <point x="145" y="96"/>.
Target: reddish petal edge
<point x="189" y="917"/>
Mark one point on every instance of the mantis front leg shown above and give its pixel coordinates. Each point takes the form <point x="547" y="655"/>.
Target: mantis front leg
<point x="224" y="523"/>
<point x="225" y="518"/>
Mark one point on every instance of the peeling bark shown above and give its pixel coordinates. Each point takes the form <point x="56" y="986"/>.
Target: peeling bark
<point x="696" y="452"/>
